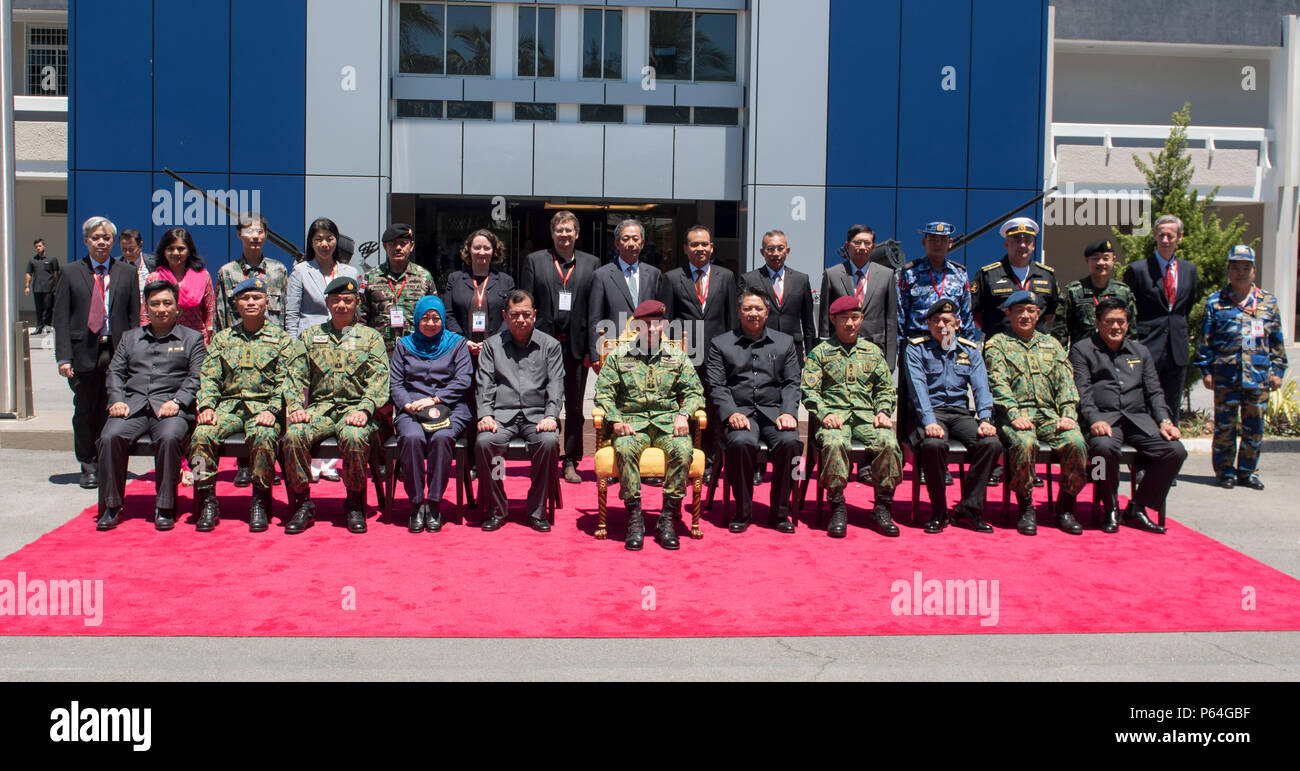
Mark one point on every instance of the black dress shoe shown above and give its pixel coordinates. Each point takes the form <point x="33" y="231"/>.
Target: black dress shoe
<point x="708" y="475"/>
<point x="416" y="523"/>
<point x="243" y="476"/>
<point x="1253" y="482"/>
<point x="972" y="520"/>
<point x="738" y="525"/>
<point x="947" y="477"/>
<point x="433" y="516"/>
<point x="758" y="477"/>
<point x="303" y="517"/>
<point x="494" y="522"/>
<point x="354" y="507"/>
<point x="666" y="532"/>
<point x="108" y="520"/>
<point x="1066" y="521"/>
<point x="356" y="521"/>
<point x="1110" y="520"/>
<point x="1136" y="516"/>
<point x="209" y="512"/>
<point x="89" y="479"/>
<point x="1038" y="481"/>
<point x="782" y="523"/>
<point x="1227" y="482"/>
<point x="164" y="519"/>
<point x="995" y="476"/>
<point x="938" y="520"/>
<point x="541" y="525"/>
<point x="571" y="474"/>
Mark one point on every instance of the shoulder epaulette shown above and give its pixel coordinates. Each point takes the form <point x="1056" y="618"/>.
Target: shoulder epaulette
<point x="967" y="341"/>
<point x="910" y="265"/>
<point x="991" y="265"/>
<point x="1047" y="267"/>
<point x="917" y="340"/>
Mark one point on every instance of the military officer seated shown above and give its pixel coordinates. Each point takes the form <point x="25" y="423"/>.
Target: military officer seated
<point x="942" y="369"/>
<point x="754" y="378"/>
<point x="152" y="382"/>
<point x="1034" y="398"/>
<point x="240" y="390"/>
<point x="849" y="394"/>
<point x="648" y="388"/>
<point x="1120" y="400"/>
<point x="336" y="377"/>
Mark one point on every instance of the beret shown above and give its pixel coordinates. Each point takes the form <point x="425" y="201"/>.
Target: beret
<point x="397" y="230"/>
<point x="650" y="309"/>
<point x="1017" y="297"/>
<point x="344" y="284"/>
<point x="254" y="283"/>
<point x="846" y="304"/>
<point x="1097" y="247"/>
<point x="943" y="305"/>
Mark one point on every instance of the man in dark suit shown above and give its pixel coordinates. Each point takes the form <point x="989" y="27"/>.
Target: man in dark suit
<point x="753" y="374"/>
<point x="701" y="301"/>
<point x="153" y="383"/>
<point x="1120" y="401"/>
<point x="1164" y="289"/>
<point x="788" y="293"/>
<point x="613" y="300"/>
<point x="876" y="290"/>
<point x="97" y="300"/>
<point x="559" y="280"/>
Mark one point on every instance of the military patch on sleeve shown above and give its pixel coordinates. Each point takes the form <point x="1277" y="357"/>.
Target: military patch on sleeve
<point x="810" y="379"/>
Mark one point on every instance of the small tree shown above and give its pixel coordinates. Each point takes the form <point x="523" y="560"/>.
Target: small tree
<point x="1206" y="241"/>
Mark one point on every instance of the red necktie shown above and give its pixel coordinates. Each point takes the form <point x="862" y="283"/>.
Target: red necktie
<point x="1171" y="283"/>
<point x="95" y="321"/>
<point x="778" y="287"/>
<point x="861" y="290"/>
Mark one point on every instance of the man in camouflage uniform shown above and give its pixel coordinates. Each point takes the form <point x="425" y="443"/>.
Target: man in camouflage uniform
<point x="393" y="288"/>
<point x="241" y="390"/>
<point x="1076" y="313"/>
<point x="648" y="389"/>
<point x="336" y="377"/>
<point x="1035" y="398"/>
<point x="251" y="229"/>
<point x="849" y="394"/>
<point x="1242" y="357"/>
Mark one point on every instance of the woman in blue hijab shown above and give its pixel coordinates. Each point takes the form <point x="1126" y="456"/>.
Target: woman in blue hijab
<point x="430" y="367"/>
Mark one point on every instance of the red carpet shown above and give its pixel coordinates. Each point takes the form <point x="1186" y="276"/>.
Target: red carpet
<point x="516" y="583"/>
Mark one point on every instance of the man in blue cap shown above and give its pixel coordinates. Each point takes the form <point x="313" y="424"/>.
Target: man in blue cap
<point x="1035" y="399"/>
<point x="942" y="368"/>
<point x="1242" y="356"/>
<point x="240" y="390"/>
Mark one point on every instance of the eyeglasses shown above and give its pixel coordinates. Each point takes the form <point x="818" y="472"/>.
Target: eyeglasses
<point x="862" y="242"/>
<point x="520" y="315"/>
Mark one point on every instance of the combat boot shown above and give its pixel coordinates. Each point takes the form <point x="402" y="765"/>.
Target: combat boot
<point x="354" y="508"/>
<point x="259" y="510"/>
<point x="1065" y="515"/>
<point x="635" y="526"/>
<point x="304" y="513"/>
<point x="666" y="528"/>
<point x="209" y="509"/>
<point x="882" y="522"/>
<point x="1028" y="524"/>
<point x="839" y="525"/>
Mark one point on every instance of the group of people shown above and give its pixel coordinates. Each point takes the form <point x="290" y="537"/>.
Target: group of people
<point x="290" y="358"/>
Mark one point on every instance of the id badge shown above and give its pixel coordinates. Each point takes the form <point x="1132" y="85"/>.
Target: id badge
<point x="479" y="322"/>
<point x="566" y="300"/>
<point x="395" y="317"/>
<point x="1257" y="328"/>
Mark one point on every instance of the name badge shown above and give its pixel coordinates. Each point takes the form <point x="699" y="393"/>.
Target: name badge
<point x="479" y="322"/>
<point x="1257" y="328"/>
<point x="395" y="317"/>
<point x="320" y="339"/>
<point x="566" y="300"/>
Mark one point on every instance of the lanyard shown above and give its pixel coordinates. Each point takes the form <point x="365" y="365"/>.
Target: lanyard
<point x="1252" y="298"/>
<point x="479" y="291"/>
<point x="938" y="284"/>
<point x="564" y="277"/>
<point x="397" y="291"/>
<point x="702" y="288"/>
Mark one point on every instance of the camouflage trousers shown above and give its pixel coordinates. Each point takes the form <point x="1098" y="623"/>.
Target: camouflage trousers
<point x="677" y="461"/>
<point x="881" y="444"/>
<point x="1237" y="409"/>
<point x="1022" y="452"/>
<point x="354" y="444"/>
<point x="262" y="443"/>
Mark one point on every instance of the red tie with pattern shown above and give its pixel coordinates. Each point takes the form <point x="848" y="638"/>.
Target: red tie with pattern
<point x="95" y="321"/>
<point x="1171" y="282"/>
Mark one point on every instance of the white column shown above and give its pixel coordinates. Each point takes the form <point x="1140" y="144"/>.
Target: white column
<point x="1282" y="187"/>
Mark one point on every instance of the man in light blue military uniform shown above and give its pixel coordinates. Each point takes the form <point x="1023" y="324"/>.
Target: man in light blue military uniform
<point x="942" y="368"/>
<point x="1242" y="356"/>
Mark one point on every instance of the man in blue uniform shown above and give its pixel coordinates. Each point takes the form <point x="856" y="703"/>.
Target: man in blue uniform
<point x="941" y="368"/>
<point x="1242" y="356"/>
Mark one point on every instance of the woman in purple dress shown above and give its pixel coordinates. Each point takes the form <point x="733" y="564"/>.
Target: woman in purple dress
<point x="430" y="366"/>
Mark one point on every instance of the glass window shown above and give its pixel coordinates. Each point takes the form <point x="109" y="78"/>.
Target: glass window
<point x="419" y="108"/>
<point x="534" y="111"/>
<point x="469" y="110"/>
<point x="602" y="44"/>
<point x="536" y="42"/>
<point x="693" y="46"/>
<point x="717" y="116"/>
<point x="445" y="39"/>
<point x="680" y="116"/>
<point x="600" y="113"/>
<point x="47" y="61"/>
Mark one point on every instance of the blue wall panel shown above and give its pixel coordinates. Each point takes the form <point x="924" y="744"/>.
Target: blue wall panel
<point x="191" y="86"/>
<point x="268" y="84"/>
<point x="121" y="196"/>
<point x="984" y="205"/>
<point x="111" y="66"/>
<point x="281" y="201"/>
<point x="847" y="206"/>
<point x="917" y="206"/>
<point x="932" y="121"/>
<point x="1006" y="101"/>
<point x="862" y="104"/>
<point x="208" y="228"/>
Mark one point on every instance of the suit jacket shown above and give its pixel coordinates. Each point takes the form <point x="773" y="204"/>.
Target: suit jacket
<point x="1125" y="385"/>
<point x="611" y="301"/>
<point x="512" y="380"/>
<point x="1162" y="329"/>
<point x="752" y="377"/>
<point x="879" y="307"/>
<point x="147" y="371"/>
<point x="459" y="297"/>
<point x="794" y="316"/>
<point x="539" y="278"/>
<point x="73" y="341"/>
<point x="718" y="316"/>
